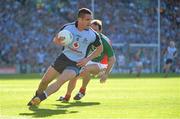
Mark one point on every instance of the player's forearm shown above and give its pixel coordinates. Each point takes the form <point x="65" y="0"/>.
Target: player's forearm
<point x="164" y="51"/>
<point x="111" y="63"/>
<point x="96" y="53"/>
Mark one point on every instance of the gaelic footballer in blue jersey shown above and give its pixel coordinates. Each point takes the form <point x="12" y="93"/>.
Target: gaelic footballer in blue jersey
<point x="101" y="65"/>
<point x="170" y="55"/>
<point x="67" y="65"/>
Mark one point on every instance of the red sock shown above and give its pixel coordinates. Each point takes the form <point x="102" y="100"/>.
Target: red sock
<point x="67" y="96"/>
<point x="82" y="90"/>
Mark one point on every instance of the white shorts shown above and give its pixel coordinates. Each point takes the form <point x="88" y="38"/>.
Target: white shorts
<point x="101" y="66"/>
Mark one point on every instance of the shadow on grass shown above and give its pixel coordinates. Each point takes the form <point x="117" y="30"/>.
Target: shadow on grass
<point x="76" y="104"/>
<point x="38" y="112"/>
<point x="61" y="109"/>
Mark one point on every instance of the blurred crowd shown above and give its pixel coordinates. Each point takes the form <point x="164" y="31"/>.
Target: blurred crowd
<point x="28" y="26"/>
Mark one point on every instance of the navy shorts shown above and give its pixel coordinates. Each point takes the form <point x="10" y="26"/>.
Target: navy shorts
<point x="169" y="61"/>
<point x="62" y="62"/>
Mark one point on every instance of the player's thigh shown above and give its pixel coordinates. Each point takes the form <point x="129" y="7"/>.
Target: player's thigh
<point x="169" y="65"/>
<point x="50" y="74"/>
<point x="67" y="74"/>
<point x="92" y="68"/>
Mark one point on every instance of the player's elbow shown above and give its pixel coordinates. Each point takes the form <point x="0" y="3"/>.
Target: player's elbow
<point x="114" y="59"/>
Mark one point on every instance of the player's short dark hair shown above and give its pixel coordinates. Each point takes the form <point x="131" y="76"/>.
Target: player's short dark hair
<point x="98" y="23"/>
<point x="84" y="11"/>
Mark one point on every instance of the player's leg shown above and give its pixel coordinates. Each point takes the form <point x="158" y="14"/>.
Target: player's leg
<point x="167" y="66"/>
<point x="66" y="75"/>
<point x="70" y="88"/>
<point x="139" y="68"/>
<point x="58" y="67"/>
<point x="89" y="69"/>
<point x="50" y="74"/>
<point x="53" y="71"/>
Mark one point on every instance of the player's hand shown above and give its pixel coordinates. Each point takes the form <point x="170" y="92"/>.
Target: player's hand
<point x="58" y="40"/>
<point x="103" y="78"/>
<point x="82" y="62"/>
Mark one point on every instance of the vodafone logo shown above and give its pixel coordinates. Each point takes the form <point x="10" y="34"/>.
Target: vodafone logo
<point x="75" y="45"/>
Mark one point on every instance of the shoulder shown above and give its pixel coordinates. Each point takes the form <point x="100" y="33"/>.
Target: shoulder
<point x="72" y="24"/>
<point x="105" y="39"/>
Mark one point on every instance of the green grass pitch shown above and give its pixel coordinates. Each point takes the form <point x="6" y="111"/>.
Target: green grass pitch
<point x="148" y="97"/>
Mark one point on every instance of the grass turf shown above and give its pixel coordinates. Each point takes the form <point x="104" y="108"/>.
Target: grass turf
<point x="135" y="98"/>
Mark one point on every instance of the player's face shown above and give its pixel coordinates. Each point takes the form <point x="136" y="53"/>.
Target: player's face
<point x="86" y="20"/>
<point x="95" y="27"/>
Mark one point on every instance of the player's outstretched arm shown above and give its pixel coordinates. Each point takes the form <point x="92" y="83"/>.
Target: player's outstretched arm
<point x="111" y="62"/>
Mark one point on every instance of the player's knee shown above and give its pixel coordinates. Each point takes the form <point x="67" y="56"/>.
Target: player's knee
<point x="86" y="70"/>
<point x="64" y="78"/>
<point x="73" y="80"/>
<point x="84" y="73"/>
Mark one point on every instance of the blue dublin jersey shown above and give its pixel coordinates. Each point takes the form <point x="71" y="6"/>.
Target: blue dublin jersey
<point x="77" y="50"/>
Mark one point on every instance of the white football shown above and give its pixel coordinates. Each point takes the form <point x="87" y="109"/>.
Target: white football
<point x="67" y="36"/>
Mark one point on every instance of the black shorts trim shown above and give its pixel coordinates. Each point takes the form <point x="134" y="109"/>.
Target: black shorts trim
<point x="62" y="62"/>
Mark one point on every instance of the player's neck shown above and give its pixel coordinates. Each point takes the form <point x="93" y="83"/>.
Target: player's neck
<point x="80" y="28"/>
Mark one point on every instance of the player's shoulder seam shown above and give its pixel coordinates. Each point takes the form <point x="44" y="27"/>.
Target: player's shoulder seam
<point x="71" y="23"/>
<point x="94" y="31"/>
